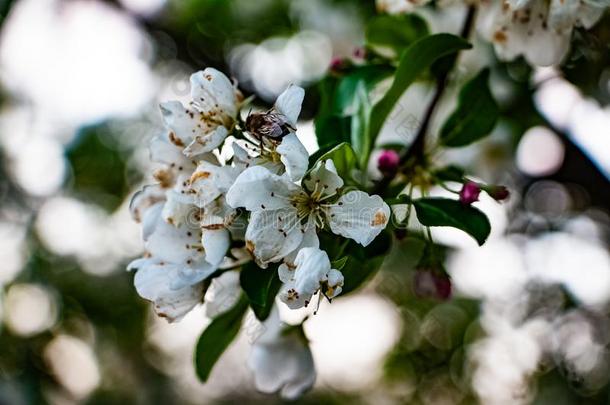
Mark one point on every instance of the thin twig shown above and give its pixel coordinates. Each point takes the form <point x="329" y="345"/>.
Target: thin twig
<point x="417" y="148"/>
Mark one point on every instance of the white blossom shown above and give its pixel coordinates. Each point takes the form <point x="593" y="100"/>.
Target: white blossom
<point x="170" y="274"/>
<point x="281" y="359"/>
<point x="185" y="219"/>
<point x="154" y="281"/>
<point x="311" y="273"/>
<point x="204" y="124"/>
<point x="540" y="30"/>
<point x="285" y="215"/>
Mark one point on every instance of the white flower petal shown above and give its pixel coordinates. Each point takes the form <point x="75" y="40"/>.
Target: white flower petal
<point x="183" y="122"/>
<point x="210" y="181"/>
<point x="547" y="48"/>
<point x="312" y="268"/>
<point x="359" y="216"/>
<point x="323" y="179"/>
<point x="153" y="282"/>
<point x="259" y="189"/>
<point x="215" y="242"/>
<point x="294" y="156"/>
<point x="150" y="219"/>
<point x="141" y="262"/>
<point x="162" y="150"/>
<point x="281" y="360"/>
<point x="242" y="159"/>
<point x="144" y="199"/>
<point x="213" y="91"/>
<point x="535" y="29"/>
<point x="273" y="234"/>
<point x="290" y="296"/>
<point x="289" y="103"/>
<point x="206" y="142"/>
<point x="180" y="244"/>
<point x="399" y="6"/>
<point x="223" y="293"/>
<point x="334" y="283"/>
<point x="285" y="273"/>
<point x="192" y="274"/>
<point x="310" y="239"/>
<point x="563" y="14"/>
<point x="218" y="214"/>
<point x="589" y="13"/>
<point x="519" y="4"/>
<point x="175" y="210"/>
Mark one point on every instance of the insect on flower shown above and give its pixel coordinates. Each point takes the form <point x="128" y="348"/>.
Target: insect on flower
<point x="280" y="120"/>
<point x="270" y="125"/>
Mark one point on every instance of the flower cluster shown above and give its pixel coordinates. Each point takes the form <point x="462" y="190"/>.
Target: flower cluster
<point x="208" y="215"/>
<point x="186" y="223"/>
<point x="540" y="30"/>
<point x="190" y="216"/>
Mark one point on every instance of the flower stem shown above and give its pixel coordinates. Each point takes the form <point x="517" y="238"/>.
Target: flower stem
<point x="417" y="149"/>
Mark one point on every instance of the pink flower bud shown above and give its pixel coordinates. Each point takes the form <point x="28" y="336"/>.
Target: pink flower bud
<point x="359" y="53"/>
<point x="469" y="193"/>
<point x="388" y="162"/>
<point x="337" y="64"/>
<point x="498" y="193"/>
<point x="432" y="283"/>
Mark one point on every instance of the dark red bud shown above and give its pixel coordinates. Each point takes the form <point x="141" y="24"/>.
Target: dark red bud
<point x="498" y="193"/>
<point x="388" y="161"/>
<point x="432" y="283"/>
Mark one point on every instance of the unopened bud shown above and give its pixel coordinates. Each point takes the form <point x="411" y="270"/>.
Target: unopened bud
<point x="338" y="65"/>
<point x="359" y="53"/>
<point x="432" y="283"/>
<point x="388" y="162"/>
<point x="498" y="193"/>
<point x="470" y="193"/>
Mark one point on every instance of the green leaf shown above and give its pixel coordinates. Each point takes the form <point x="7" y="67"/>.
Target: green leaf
<point x="261" y="286"/>
<point x="344" y="158"/>
<point x="337" y="102"/>
<point x="217" y="337"/>
<point x="394" y="32"/>
<point x="446" y="212"/>
<point x="414" y="61"/>
<point x="363" y="262"/>
<point x="397" y="147"/>
<point x="346" y="91"/>
<point x="319" y="153"/>
<point x="475" y="116"/>
<point x="339" y="264"/>
<point x="331" y="128"/>
<point x="450" y="173"/>
<point x="360" y="125"/>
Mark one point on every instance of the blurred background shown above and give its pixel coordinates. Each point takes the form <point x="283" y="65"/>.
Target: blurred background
<point x="80" y="81"/>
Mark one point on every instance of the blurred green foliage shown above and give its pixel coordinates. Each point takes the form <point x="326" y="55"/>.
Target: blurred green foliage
<point x="106" y="309"/>
<point x="99" y="169"/>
